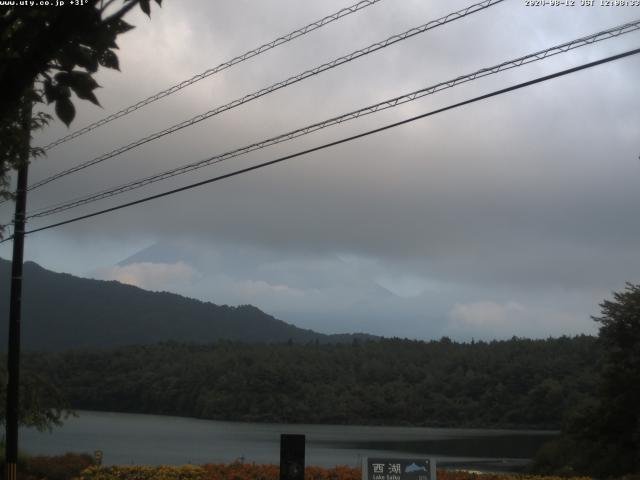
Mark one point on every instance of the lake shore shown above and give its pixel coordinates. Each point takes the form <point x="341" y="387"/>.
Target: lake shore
<point x="127" y="439"/>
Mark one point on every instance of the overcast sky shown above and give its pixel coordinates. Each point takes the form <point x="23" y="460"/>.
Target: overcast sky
<point x="512" y="216"/>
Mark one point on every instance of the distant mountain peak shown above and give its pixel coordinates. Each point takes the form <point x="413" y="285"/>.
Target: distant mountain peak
<point x="161" y="252"/>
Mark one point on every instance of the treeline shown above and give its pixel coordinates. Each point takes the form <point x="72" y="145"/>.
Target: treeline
<point x="513" y="384"/>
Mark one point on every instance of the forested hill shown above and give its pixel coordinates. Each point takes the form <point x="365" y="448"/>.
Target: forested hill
<point x="61" y="311"/>
<point x="514" y="384"/>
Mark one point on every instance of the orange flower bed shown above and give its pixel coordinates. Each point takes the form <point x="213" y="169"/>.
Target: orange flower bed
<point x="237" y="471"/>
<point x="463" y="475"/>
<point x="164" y="472"/>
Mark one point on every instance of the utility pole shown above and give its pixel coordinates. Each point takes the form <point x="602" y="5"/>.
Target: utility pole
<point x="15" y="310"/>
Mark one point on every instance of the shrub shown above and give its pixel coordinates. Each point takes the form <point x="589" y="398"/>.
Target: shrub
<point x="67" y="467"/>
<point x="61" y="467"/>
<point x="186" y="472"/>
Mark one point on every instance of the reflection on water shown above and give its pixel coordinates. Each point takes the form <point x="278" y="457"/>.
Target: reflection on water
<point x="153" y="440"/>
<point x="505" y="445"/>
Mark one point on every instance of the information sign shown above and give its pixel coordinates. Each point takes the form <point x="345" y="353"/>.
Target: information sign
<point x="378" y="468"/>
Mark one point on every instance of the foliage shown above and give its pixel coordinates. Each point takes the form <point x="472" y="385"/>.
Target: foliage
<point x="620" y="385"/>
<point x="13" y="137"/>
<point x="515" y="383"/>
<point x="239" y="471"/>
<point x="61" y="467"/>
<point x="61" y="49"/>
<point x="46" y="54"/>
<point x="165" y="472"/>
<point x="603" y="439"/>
<point x="463" y="475"/>
<point x="82" y="467"/>
<point x="267" y="472"/>
<point x="42" y="405"/>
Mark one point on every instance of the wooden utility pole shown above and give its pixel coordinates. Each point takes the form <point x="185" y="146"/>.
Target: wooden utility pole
<point x="15" y="305"/>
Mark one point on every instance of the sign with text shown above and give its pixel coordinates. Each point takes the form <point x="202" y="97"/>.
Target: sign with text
<point x="375" y="468"/>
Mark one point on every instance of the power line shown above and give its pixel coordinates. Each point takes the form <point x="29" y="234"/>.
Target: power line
<point x="506" y="65"/>
<point x="212" y="71"/>
<point x="343" y="140"/>
<point x="276" y="86"/>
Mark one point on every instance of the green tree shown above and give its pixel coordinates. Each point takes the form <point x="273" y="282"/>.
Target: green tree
<point x="601" y="436"/>
<point x="43" y="406"/>
<point x="46" y="54"/>
<point x="617" y="426"/>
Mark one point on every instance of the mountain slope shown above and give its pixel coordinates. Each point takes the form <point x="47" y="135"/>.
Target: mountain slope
<point x="61" y="311"/>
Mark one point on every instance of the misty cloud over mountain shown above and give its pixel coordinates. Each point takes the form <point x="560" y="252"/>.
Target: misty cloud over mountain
<point x="513" y="216"/>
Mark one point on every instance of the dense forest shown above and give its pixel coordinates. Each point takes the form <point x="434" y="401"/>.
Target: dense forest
<point x="516" y="383"/>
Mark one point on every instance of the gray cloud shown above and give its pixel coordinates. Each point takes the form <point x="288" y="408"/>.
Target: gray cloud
<point x="522" y="206"/>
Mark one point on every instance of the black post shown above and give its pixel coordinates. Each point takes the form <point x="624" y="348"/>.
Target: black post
<point x="13" y="363"/>
<point x="292" y="457"/>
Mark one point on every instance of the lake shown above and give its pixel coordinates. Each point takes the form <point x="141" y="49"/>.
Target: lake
<point x="153" y="440"/>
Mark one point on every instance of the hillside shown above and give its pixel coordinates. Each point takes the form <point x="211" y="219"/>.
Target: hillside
<point x="61" y="311"/>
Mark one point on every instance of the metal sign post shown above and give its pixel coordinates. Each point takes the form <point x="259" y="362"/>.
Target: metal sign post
<point x="292" y="457"/>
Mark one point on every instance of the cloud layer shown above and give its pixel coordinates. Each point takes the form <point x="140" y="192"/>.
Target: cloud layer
<point x="511" y="216"/>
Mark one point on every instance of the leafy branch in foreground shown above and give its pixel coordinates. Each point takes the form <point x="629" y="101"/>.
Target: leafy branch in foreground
<point x="46" y="54"/>
<point x="42" y="404"/>
<point x="602" y="438"/>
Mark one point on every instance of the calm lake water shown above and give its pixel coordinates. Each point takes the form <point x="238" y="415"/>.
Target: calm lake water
<point x="152" y="440"/>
